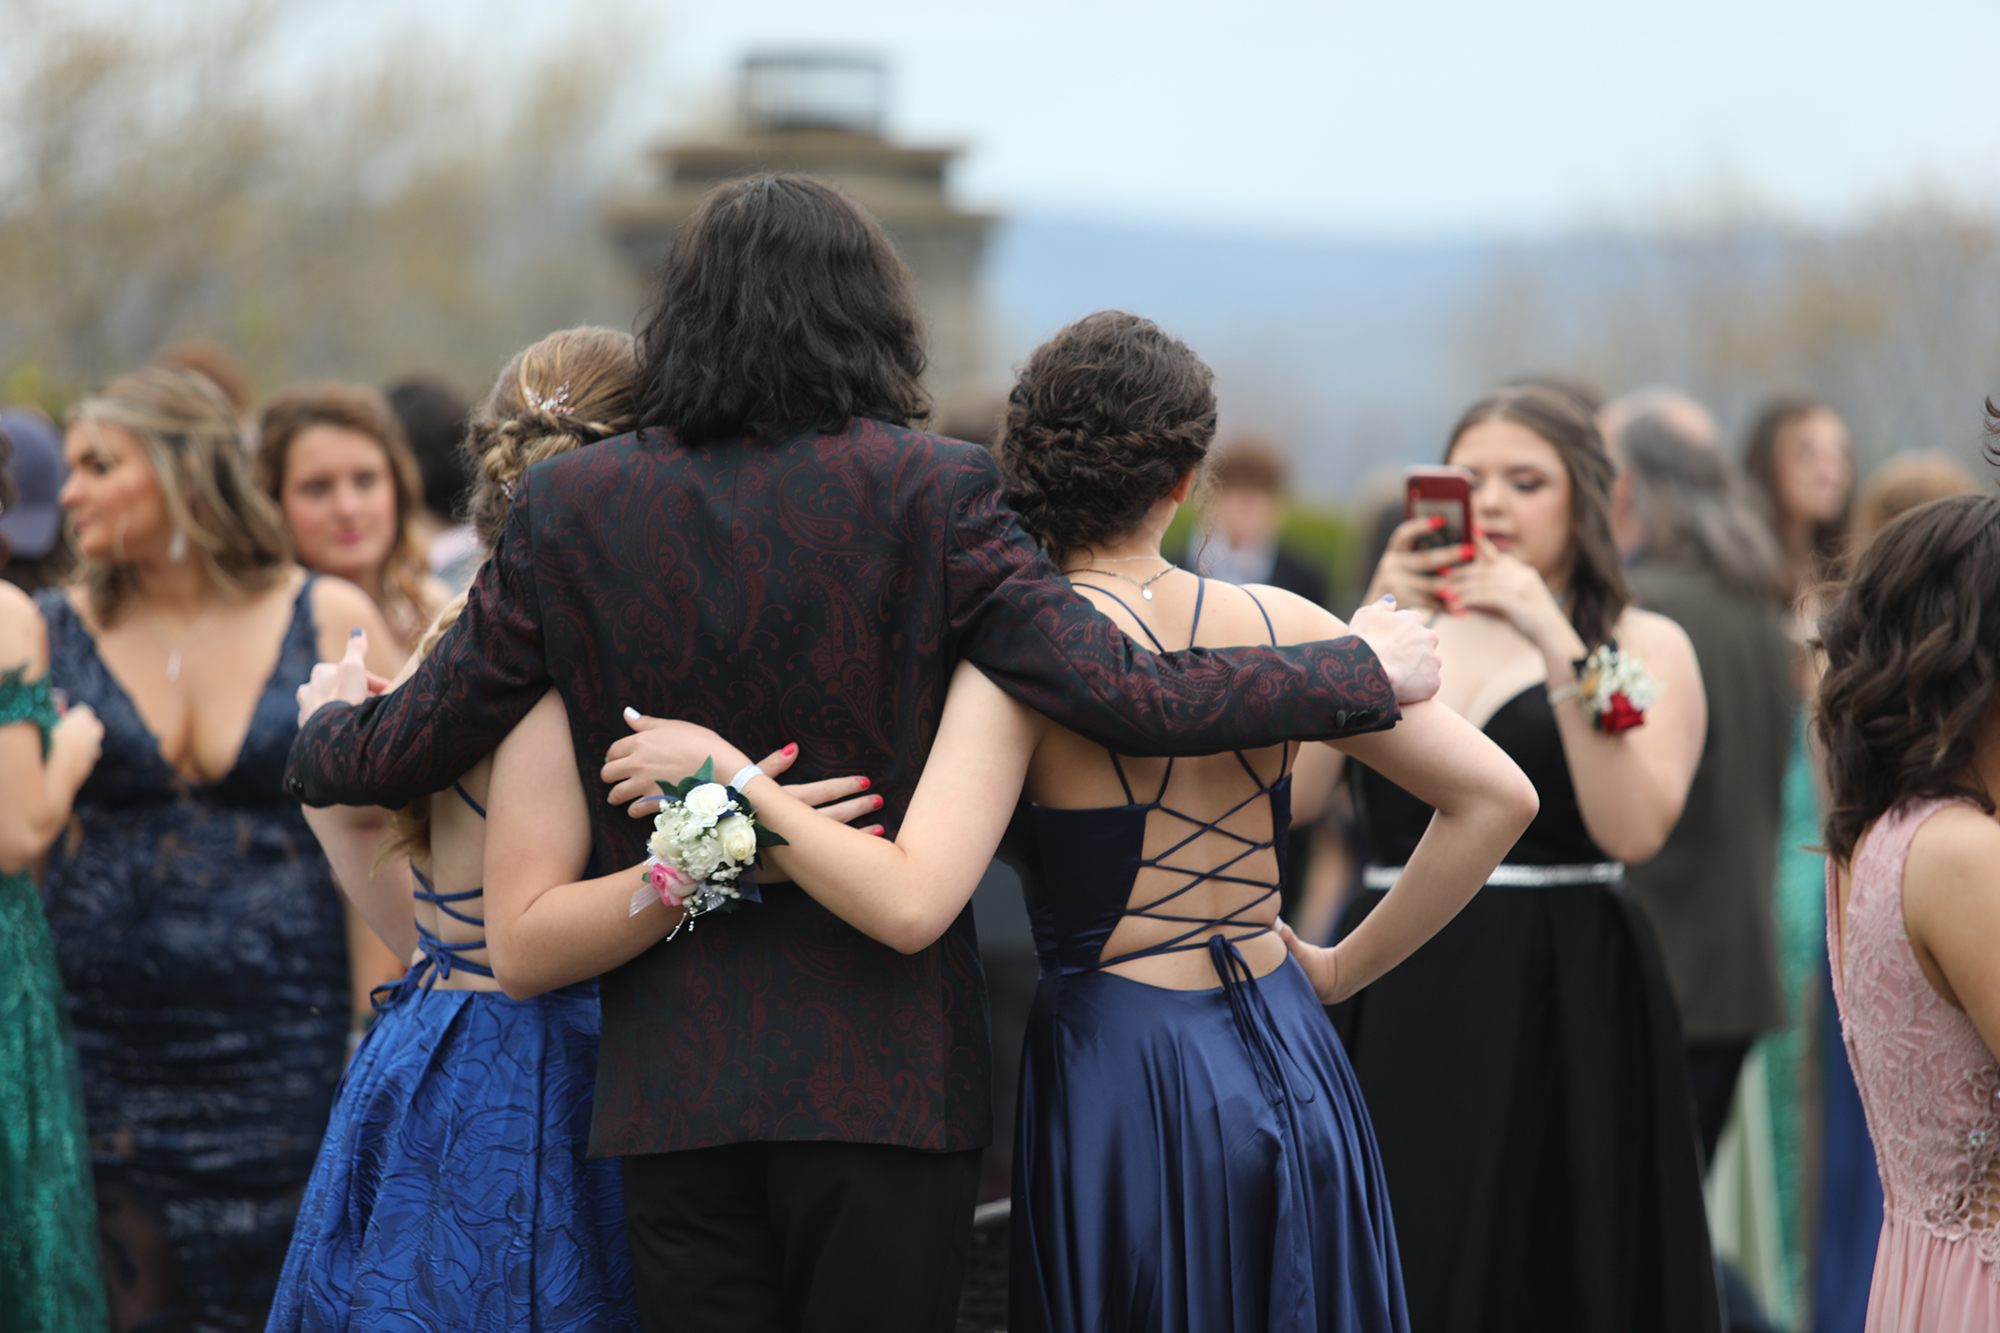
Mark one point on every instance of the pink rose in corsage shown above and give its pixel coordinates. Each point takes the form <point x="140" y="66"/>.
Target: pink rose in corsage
<point x="1614" y="689"/>
<point x="703" y="849"/>
<point x="669" y="883"/>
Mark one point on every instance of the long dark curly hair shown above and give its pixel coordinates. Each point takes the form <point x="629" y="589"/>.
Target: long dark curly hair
<point x="782" y="305"/>
<point x="1104" y="420"/>
<point x="1912" y="646"/>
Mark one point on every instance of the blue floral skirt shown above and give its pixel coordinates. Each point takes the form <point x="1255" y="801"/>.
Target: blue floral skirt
<point x="452" y="1190"/>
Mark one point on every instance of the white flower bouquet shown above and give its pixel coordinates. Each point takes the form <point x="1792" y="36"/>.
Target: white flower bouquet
<point x="704" y="837"/>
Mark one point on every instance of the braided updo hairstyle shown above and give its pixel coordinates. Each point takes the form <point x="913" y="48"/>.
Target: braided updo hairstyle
<point x="570" y="389"/>
<point x="1104" y="420"/>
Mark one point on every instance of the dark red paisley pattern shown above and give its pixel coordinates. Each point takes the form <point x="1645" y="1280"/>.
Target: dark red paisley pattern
<point x="819" y="591"/>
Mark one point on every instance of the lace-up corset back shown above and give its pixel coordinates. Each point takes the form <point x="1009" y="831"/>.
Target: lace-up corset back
<point x="447" y="956"/>
<point x="1929" y="1086"/>
<point x="1153" y="865"/>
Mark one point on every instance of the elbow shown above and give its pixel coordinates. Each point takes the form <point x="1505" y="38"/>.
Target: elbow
<point x="912" y="932"/>
<point x="1639" y="840"/>
<point x="1523" y="803"/>
<point x="17" y="853"/>
<point x="1633" y="846"/>
<point x="517" y="980"/>
<point x="21" y="843"/>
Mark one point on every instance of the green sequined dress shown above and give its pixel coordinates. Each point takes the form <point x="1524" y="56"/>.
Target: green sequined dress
<point x="49" y="1275"/>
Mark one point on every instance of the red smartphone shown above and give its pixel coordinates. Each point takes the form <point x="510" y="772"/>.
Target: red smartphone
<point x="1440" y="492"/>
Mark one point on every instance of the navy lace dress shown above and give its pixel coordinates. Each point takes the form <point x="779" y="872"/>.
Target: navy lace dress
<point x="1184" y="1160"/>
<point x="453" y="1191"/>
<point x="203" y="948"/>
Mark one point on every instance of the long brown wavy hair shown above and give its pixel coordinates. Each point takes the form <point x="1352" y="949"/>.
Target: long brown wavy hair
<point x="1912" y="648"/>
<point x="1597" y="587"/>
<point x="363" y="410"/>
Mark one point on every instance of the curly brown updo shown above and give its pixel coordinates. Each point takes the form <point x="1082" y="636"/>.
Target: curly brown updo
<point x="1912" y="665"/>
<point x="1104" y="420"/>
<point x="570" y="389"/>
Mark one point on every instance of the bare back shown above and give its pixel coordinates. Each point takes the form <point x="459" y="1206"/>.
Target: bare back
<point x="450" y="904"/>
<point x="1209" y="843"/>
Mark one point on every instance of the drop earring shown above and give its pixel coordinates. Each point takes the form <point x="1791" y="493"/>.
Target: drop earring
<point x="177" y="546"/>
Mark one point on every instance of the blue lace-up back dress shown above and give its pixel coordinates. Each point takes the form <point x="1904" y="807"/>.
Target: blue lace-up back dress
<point x="1184" y="1159"/>
<point x="452" y="1191"/>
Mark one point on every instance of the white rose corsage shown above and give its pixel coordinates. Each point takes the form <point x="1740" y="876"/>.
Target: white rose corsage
<point x="705" y="837"/>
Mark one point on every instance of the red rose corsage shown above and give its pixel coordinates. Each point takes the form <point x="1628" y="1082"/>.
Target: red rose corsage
<point x="1613" y="687"/>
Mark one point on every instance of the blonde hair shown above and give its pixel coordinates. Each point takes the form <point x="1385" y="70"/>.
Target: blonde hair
<point x="192" y="438"/>
<point x="570" y="389"/>
<point x="357" y="408"/>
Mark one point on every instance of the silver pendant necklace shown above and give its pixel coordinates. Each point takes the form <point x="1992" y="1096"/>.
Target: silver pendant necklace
<point x="1145" y="588"/>
<point x="175" y="645"/>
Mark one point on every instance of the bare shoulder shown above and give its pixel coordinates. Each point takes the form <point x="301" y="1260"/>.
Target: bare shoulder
<point x="1662" y="642"/>
<point x="1953" y="854"/>
<point x="1295" y="619"/>
<point x="336" y="601"/>
<point x="24" y="639"/>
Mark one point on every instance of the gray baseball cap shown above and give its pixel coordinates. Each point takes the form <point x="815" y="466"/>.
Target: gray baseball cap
<point x="34" y="522"/>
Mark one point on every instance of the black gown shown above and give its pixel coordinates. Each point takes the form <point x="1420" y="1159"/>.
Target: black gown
<point x="1524" y="1073"/>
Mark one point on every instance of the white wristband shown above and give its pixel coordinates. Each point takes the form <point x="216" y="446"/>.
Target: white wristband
<point x="744" y="775"/>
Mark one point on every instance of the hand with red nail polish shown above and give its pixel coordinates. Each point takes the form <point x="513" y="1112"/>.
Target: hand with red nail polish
<point x="1412" y="575"/>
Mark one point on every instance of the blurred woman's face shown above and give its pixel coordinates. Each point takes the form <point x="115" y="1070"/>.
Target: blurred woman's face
<point x="1520" y="495"/>
<point x="340" y="502"/>
<point x="1813" y="468"/>
<point x="116" y="509"/>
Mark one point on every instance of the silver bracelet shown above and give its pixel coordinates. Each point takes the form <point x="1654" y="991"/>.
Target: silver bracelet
<point x="1564" y="693"/>
<point x="744" y="776"/>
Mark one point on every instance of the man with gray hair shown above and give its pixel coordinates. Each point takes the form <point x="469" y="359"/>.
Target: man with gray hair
<point x="1699" y="554"/>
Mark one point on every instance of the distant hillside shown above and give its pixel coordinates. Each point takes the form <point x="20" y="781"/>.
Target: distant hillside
<point x="1359" y="355"/>
<point x="1348" y="351"/>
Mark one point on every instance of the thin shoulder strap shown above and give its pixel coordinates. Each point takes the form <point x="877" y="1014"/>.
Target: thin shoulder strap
<point x="1158" y="647"/>
<point x="1270" y="630"/>
<point x="477" y="809"/>
<point x="1200" y="592"/>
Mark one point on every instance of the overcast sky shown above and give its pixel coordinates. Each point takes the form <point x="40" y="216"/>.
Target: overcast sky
<point x="1426" y="118"/>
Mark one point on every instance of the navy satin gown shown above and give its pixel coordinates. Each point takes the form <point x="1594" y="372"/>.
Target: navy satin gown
<point x="203" y="948"/>
<point x="1184" y="1159"/>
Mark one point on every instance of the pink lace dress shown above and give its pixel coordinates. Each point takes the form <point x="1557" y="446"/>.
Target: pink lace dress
<point x="1932" y="1093"/>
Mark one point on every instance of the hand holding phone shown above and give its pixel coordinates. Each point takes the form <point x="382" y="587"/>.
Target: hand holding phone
<point x="1440" y="492"/>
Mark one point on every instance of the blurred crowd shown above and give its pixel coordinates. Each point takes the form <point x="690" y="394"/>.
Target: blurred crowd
<point x="1731" y="541"/>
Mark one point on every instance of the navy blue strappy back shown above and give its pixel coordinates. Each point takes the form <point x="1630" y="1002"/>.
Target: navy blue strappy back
<point x="1079" y="867"/>
<point x="441" y="957"/>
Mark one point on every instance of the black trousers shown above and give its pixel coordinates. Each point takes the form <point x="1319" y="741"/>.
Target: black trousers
<point x="799" y="1237"/>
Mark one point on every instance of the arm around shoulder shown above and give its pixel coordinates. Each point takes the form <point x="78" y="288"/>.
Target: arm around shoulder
<point x="1049" y="648"/>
